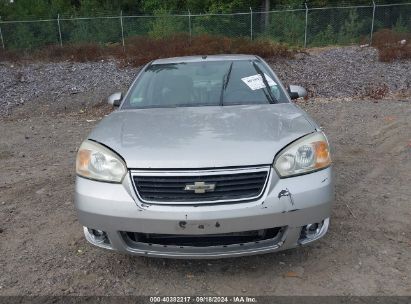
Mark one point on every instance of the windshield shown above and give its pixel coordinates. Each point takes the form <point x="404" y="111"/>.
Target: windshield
<point x="208" y="83"/>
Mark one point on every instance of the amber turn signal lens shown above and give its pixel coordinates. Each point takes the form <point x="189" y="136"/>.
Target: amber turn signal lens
<point x="322" y="154"/>
<point x="83" y="160"/>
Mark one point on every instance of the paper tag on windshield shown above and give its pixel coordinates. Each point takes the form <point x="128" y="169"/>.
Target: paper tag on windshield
<point x="256" y="82"/>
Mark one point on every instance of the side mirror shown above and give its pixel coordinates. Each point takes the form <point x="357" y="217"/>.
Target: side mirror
<point x="115" y="99"/>
<point x="296" y="92"/>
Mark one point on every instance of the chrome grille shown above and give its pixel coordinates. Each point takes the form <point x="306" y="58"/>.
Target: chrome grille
<point x="207" y="186"/>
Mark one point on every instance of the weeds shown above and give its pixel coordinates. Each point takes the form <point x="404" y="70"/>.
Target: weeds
<point x="392" y="45"/>
<point x="377" y="91"/>
<point x="141" y="49"/>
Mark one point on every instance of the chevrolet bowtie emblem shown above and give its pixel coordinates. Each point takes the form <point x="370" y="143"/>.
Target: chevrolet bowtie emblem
<point x="200" y="187"/>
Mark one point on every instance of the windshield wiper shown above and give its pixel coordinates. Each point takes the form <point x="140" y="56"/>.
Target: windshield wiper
<point x="269" y="96"/>
<point x="226" y="79"/>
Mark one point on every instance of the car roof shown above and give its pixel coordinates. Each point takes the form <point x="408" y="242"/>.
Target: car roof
<point x="202" y="58"/>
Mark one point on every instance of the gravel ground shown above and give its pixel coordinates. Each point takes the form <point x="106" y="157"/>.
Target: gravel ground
<point x="366" y="252"/>
<point x="345" y="72"/>
<point x="333" y="72"/>
<point x="61" y="84"/>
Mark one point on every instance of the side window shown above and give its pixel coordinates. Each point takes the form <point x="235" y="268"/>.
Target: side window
<point x="142" y="91"/>
<point x="136" y="97"/>
<point x="276" y="92"/>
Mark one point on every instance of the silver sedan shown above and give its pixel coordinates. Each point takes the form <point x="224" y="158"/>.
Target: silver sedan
<point x="205" y="157"/>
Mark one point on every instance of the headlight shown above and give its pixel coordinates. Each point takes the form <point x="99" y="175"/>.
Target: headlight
<point x="309" y="153"/>
<point x="97" y="162"/>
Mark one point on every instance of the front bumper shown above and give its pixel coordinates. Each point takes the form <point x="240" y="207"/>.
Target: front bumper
<point x="115" y="209"/>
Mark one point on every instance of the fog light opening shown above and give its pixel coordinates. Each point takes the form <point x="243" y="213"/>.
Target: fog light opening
<point x="313" y="231"/>
<point x="98" y="236"/>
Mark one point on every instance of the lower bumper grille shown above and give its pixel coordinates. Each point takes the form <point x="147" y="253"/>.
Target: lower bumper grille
<point x="200" y="186"/>
<point x="206" y="240"/>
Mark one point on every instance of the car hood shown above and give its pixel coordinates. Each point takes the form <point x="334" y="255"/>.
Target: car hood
<point x="202" y="137"/>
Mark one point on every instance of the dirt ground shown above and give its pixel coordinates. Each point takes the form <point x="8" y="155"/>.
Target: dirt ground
<point x="366" y="252"/>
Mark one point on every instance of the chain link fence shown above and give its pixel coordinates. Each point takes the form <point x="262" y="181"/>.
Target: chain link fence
<point x="304" y="27"/>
